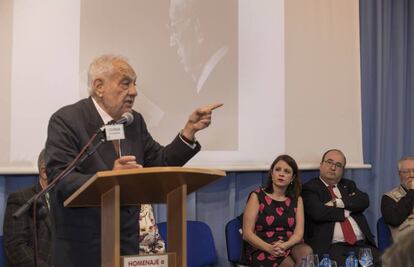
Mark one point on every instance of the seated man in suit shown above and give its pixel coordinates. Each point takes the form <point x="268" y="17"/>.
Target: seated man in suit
<point x="18" y="233"/>
<point x="397" y="204"/>
<point x="334" y="207"/>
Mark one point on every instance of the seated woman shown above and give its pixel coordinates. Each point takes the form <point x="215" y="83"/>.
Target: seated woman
<point x="150" y="241"/>
<point x="273" y="220"/>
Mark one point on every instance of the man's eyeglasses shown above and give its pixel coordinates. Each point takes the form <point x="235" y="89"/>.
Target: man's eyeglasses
<point x="407" y="171"/>
<point x="331" y="163"/>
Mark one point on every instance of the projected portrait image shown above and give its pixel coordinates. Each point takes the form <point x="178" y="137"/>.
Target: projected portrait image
<point x="196" y="39"/>
<point x="185" y="53"/>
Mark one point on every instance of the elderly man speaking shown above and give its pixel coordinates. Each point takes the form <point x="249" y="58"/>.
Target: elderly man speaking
<point x="112" y="86"/>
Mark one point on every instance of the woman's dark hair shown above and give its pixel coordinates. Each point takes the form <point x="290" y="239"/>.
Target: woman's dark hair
<point x="295" y="187"/>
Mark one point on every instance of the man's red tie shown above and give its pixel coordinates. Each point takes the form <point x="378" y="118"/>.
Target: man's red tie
<point x="347" y="230"/>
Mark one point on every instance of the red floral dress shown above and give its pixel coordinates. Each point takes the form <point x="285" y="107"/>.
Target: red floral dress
<point x="275" y="221"/>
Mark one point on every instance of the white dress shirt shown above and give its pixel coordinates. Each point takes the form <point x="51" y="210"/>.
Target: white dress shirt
<point x="338" y="235"/>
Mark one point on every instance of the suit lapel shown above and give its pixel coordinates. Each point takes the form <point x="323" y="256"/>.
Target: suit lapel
<point x="94" y="121"/>
<point x="343" y="189"/>
<point x="324" y="190"/>
<point x="131" y="145"/>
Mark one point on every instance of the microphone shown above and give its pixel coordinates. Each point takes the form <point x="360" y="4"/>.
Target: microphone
<point x="127" y="118"/>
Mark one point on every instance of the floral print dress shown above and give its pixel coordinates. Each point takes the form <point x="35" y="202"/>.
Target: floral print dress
<point x="150" y="241"/>
<point x="275" y="221"/>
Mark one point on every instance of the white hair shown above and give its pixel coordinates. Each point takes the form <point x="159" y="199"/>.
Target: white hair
<point x="100" y="65"/>
<point x="404" y="159"/>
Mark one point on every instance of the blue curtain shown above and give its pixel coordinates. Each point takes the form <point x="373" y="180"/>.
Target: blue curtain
<point x="387" y="57"/>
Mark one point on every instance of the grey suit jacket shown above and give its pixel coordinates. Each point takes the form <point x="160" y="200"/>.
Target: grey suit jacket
<point x="18" y="233"/>
<point x="77" y="240"/>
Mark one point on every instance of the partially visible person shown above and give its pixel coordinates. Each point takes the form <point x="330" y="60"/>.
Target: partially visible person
<point x="18" y="233"/>
<point x="400" y="254"/>
<point x="397" y="205"/>
<point x="112" y="88"/>
<point x="334" y="206"/>
<point x="150" y="241"/>
<point x="273" y="220"/>
<point x="204" y="44"/>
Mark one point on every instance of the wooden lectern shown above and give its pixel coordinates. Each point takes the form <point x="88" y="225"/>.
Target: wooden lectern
<point x="111" y="189"/>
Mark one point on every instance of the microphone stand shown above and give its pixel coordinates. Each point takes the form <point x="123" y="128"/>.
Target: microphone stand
<point x="79" y="159"/>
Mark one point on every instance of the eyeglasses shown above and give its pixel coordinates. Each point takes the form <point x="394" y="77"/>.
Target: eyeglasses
<point x="407" y="171"/>
<point x="331" y="163"/>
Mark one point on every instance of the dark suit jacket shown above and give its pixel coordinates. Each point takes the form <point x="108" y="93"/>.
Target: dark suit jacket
<point x="320" y="219"/>
<point x="18" y="233"/>
<point x="77" y="240"/>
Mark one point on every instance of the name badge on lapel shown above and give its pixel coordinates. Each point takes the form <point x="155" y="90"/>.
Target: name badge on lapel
<point x="114" y="132"/>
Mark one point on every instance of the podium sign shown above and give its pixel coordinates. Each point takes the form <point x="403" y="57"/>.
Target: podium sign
<point x="153" y="260"/>
<point x="171" y="185"/>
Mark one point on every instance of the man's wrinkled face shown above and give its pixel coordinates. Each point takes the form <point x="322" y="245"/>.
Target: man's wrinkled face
<point x="332" y="167"/>
<point x="117" y="89"/>
<point x="406" y="172"/>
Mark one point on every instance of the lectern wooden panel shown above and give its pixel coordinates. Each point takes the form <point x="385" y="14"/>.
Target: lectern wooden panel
<point x="110" y="189"/>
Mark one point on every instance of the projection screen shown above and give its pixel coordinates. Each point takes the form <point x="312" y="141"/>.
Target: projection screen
<point x="273" y="64"/>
